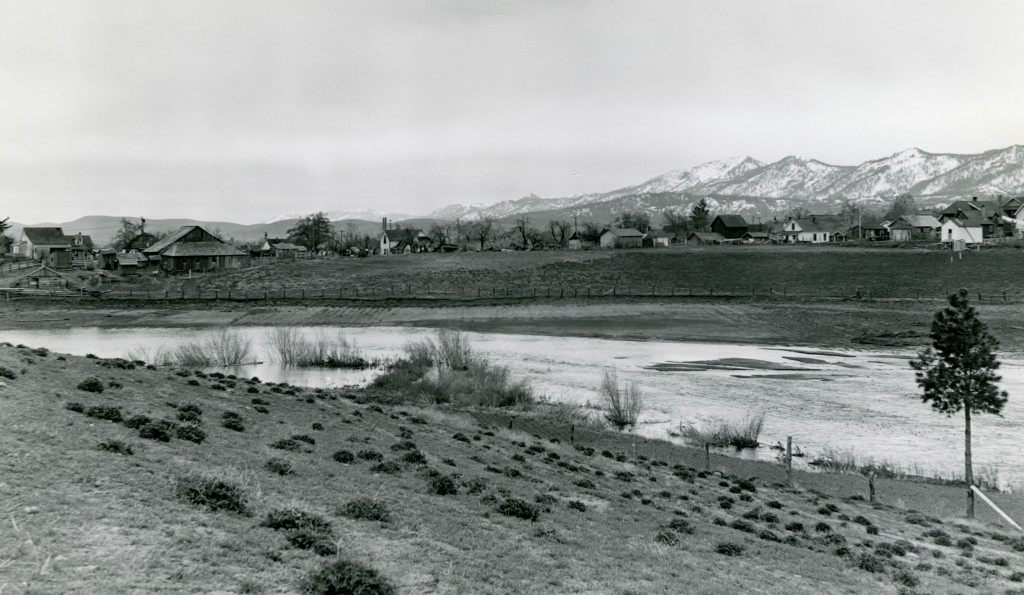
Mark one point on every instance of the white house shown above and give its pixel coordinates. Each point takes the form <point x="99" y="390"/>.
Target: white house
<point x="622" y="238"/>
<point x="403" y="240"/>
<point x="968" y="229"/>
<point x="816" y="229"/>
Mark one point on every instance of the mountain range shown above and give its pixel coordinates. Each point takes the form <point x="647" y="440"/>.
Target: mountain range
<point x="753" y="188"/>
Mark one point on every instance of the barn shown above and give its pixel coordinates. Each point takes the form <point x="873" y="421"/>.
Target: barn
<point x="192" y="248"/>
<point x="622" y="238"/>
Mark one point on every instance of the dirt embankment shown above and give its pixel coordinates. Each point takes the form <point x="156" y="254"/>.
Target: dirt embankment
<point x="820" y="323"/>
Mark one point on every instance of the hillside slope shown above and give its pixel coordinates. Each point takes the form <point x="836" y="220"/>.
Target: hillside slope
<point x="439" y="488"/>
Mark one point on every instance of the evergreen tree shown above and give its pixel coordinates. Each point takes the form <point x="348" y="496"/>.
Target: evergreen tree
<point x="700" y="215"/>
<point x="958" y="372"/>
<point x="312" y="231"/>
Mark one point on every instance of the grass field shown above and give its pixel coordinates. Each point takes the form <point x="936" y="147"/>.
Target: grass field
<point x="434" y="500"/>
<point x="810" y="271"/>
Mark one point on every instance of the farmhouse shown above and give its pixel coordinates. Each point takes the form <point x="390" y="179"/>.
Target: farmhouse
<point x="705" y="237"/>
<point x="816" y="229"/>
<point x="966" y="228"/>
<point x="622" y="238"/>
<point x="660" y="238"/>
<point x="576" y="241"/>
<point x="402" y="240"/>
<point x="756" y="237"/>
<point x="730" y="227"/>
<point x="45" y="244"/>
<point x="915" y="227"/>
<point x="192" y="248"/>
<point x="993" y="216"/>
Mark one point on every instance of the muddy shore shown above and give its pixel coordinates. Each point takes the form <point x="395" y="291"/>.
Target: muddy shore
<point x="847" y="324"/>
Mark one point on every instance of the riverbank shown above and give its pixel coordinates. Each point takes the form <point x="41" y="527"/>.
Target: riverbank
<point x="810" y="323"/>
<point x="87" y="519"/>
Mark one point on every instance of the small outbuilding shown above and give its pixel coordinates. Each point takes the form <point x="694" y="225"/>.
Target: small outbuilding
<point x="192" y="248"/>
<point x="42" y="278"/>
<point x="730" y="227"/>
<point x="619" y="237"/>
<point x="705" y="237"/>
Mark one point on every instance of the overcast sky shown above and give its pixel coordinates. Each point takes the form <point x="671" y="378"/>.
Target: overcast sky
<point x="246" y="110"/>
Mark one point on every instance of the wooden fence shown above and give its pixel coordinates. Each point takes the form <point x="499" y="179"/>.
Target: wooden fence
<point x="548" y="292"/>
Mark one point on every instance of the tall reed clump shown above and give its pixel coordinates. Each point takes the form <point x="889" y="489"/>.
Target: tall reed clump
<point x="290" y="347"/>
<point x="447" y="371"/>
<point x="721" y="432"/>
<point x="623" y="404"/>
<point x="224" y="348"/>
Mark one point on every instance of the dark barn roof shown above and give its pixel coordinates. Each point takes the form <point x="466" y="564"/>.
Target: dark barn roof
<point x="52" y="236"/>
<point x="732" y="220"/>
<point x="201" y="249"/>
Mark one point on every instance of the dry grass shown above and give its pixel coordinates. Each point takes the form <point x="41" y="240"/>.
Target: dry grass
<point x="623" y="405"/>
<point x="223" y="348"/>
<point x="722" y="433"/>
<point x="288" y="346"/>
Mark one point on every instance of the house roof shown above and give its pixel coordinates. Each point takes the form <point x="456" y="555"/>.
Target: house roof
<point x="130" y="259"/>
<point x="169" y="239"/>
<point x="660" y="234"/>
<point x="826" y="223"/>
<point x="972" y="219"/>
<point x="967" y="206"/>
<point x="731" y="220"/>
<point x="201" y="249"/>
<point x="86" y="241"/>
<point x="756" y="234"/>
<point x="48" y="236"/>
<point x="625" y="232"/>
<point x="921" y="221"/>
<point x="285" y="246"/>
<point x="43" y="271"/>
<point x="707" y="236"/>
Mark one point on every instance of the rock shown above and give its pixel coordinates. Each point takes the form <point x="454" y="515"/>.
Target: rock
<point x="31" y="510"/>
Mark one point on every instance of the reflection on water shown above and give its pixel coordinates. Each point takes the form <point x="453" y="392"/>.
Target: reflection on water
<point x="861" y="400"/>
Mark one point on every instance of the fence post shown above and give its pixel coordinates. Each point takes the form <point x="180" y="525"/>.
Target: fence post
<point x="572" y="434"/>
<point x="216" y="294"/>
<point x="789" y="461"/>
<point x="707" y="458"/>
<point x="871" y="488"/>
<point x="510" y="422"/>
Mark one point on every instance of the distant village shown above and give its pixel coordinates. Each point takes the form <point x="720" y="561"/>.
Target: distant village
<point x="960" y="225"/>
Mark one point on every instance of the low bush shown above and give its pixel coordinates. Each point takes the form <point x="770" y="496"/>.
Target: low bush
<point x="871" y="563"/>
<point x="728" y="548"/>
<point x="261" y="409"/>
<point x="137" y="421"/>
<point x="577" y="505"/>
<point x="585" y="484"/>
<point x="91" y="385"/>
<point x="370" y="455"/>
<point x="681" y="526"/>
<point x="304" y="438"/>
<point x="623" y="405"/>
<point x="10" y="375"/>
<point x="116" y="446"/>
<point x="519" y="509"/>
<point x="344" y="456"/>
<point x="279" y="466"/>
<point x="387" y="467"/>
<point x="287" y="519"/>
<point x="287" y="444"/>
<point x="155" y="431"/>
<point x="215" y="494"/>
<point x="720" y="432"/>
<point x="75" y="406"/>
<point x="365" y="509"/>
<point x="191" y="432"/>
<point x="345" y="576"/>
<point x="232" y="421"/>
<point x="414" y="457"/>
<point x="318" y="427"/>
<point x="190" y="412"/>
<point x="667" y="538"/>
<point x="105" y="412"/>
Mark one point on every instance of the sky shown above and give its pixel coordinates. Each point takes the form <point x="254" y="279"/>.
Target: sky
<point x="248" y="110"/>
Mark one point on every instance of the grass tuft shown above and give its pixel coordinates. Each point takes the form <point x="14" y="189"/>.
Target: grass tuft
<point x="365" y="509"/>
<point x="116" y="446"/>
<point x="215" y="494"/>
<point x="623" y="405"/>
<point x="91" y="385"/>
<point x="724" y="433"/>
<point x="346" y="576"/>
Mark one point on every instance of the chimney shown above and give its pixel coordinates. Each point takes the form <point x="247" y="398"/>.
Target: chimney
<point x="384" y="223"/>
<point x="974" y="199"/>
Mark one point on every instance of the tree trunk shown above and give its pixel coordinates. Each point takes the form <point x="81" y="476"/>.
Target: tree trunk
<point x="968" y="469"/>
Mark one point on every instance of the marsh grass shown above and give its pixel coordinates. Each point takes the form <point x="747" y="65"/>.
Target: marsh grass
<point x="722" y="433"/>
<point x="224" y="348"/>
<point x="623" y="405"/>
<point x="288" y="346"/>
<point x="845" y="461"/>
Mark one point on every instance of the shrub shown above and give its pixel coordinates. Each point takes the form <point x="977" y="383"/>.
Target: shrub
<point x="287" y="444"/>
<point x="519" y="509"/>
<point x="681" y="526"/>
<point x="137" y="421"/>
<point x="279" y="466"/>
<point x="318" y="427"/>
<point x="345" y="576"/>
<point x="155" y="431"/>
<point x="306" y="538"/>
<point x="795" y="527"/>
<point x="387" y="467"/>
<point x="403" y="445"/>
<point x="822" y="527"/>
<point x="443" y="485"/>
<point x="287" y="519"/>
<point x="728" y="548"/>
<point x="344" y="456"/>
<point x="720" y="432"/>
<point x="304" y="438"/>
<point x="116" y="446"/>
<point x="623" y="405"/>
<point x="365" y="509"/>
<point x="871" y="529"/>
<point x="91" y="385"/>
<point x="370" y="455"/>
<point x="871" y="563"/>
<point x="667" y="538"/>
<point x="577" y="505"/>
<point x="105" y="412"/>
<point x="1016" y="577"/>
<point x="862" y="520"/>
<point x="585" y="484"/>
<point x="191" y="411"/>
<point x="75" y="406"/>
<point x="10" y="375"/>
<point x="261" y="409"/>
<point x="232" y="421"/>
<point x="214" y="494"/>
<point x="741" y="525"/>
<point x="415" y="458"/>
<point x="191" y="432"/>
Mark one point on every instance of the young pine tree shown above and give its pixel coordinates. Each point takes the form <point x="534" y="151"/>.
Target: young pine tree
<point x="958" y="372"/>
